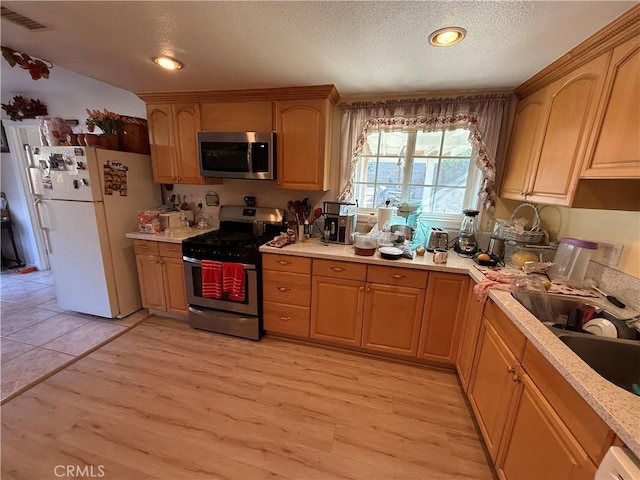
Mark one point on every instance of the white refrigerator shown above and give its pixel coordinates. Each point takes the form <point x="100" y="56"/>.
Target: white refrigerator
<point x="86" y="200"/>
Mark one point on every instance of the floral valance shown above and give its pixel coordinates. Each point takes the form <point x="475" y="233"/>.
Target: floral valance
<point x="481" y="115"/>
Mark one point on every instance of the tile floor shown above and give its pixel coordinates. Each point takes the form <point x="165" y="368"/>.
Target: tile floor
<point x="37" y="337"/>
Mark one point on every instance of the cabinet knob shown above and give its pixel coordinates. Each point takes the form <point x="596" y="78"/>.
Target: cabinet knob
<point x="362" y="289"/>
<point x="144" y="246"/>
<point x="516" y="378"/>
<point x="157" y="261"/>
<point x="397" y="277"/>
<point x="511" y="370"/>
<point x="281" y="317"/>
<point x="337" y="269"/>
<point x="282" y="262"/>
<point x="368" y="289"/>
<point x="283" y="289"/>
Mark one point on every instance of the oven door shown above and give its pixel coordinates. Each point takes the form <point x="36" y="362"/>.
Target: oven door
<point x="193" y="279"/>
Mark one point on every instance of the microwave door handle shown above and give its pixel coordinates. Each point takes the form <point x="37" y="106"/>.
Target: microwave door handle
<point x="249" y="156"/>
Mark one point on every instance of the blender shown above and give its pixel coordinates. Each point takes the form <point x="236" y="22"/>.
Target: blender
<point x="467" y="244"/>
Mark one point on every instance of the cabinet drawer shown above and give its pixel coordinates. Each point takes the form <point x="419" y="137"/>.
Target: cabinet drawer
<point x="286" y="263"/>
<point x="289" y="288"/>
<point x="337" y="269"/>
<point x="585" y="424"/>
<point x="401" y="277"/>
<point x="289" y="319"/>
<point x="171" y="250"/>
<point x="145" y="246"/>
<point x="509" y="333"/>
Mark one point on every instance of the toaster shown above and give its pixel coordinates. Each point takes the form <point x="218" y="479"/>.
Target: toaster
<point x="438" y="238"/>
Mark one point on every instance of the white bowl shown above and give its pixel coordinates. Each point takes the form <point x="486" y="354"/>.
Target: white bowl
<point x="601" y="327"/>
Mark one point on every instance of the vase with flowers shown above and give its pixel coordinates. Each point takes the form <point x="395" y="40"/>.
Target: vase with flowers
<point x="109" y="122"/>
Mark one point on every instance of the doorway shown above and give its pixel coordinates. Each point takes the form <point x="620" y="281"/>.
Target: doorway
<point x="15" y="183"/>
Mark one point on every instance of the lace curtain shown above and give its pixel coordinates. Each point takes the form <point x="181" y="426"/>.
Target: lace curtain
<point x="481" y="115"/>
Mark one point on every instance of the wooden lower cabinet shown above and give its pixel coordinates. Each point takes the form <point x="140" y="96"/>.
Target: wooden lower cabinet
<point x="161" y="276"/>
<point x="444" y="311"/>
<point x="336" y="309"/>
<point x="492" y="387"/>
<point x="537" y="445"/>
<point x="286" y="292"/>
<point x="151" y="283"/>
<point x="470" y="331"/>
<point x="392" y="319"/>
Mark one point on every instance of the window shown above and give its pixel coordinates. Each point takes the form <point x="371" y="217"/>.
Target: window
<point x="433" y="168"/>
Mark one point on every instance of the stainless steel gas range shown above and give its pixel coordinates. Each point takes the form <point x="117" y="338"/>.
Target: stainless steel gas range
<point x="223" y="271"/>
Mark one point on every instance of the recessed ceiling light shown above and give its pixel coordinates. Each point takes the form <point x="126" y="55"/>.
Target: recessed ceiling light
<point x="168" y="63"/>
<point x="445" y="37"/>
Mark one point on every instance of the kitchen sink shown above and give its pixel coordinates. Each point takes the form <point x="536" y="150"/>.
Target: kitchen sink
<point x="616" y="360"/>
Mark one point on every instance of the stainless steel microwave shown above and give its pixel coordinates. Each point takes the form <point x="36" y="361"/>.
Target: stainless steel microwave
<point x="248" y="155"/>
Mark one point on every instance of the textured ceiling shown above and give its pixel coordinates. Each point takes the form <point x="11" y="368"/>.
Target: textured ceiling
<point x="364" y="48"/>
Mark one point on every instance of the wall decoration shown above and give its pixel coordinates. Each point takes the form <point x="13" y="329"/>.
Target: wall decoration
<point x="37" y="68"/>
<point x="20" y="108"/>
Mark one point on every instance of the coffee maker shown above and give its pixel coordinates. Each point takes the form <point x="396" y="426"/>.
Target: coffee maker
<point x="339" y="222"/>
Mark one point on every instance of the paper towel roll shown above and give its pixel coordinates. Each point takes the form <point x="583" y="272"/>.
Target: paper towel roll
<point x="384" y="215"/>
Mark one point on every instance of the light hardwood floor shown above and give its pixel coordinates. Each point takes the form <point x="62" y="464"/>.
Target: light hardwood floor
<point x="168" y="402"/>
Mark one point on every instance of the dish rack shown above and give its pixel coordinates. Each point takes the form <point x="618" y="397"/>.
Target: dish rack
<point x="534" y="235"/>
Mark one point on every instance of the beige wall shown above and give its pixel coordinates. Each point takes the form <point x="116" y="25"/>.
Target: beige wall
<point x="586" y="224"/>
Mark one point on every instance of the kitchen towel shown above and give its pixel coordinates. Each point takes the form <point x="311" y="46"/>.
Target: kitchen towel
<point x="211" y="279"/>
<point x="233" y="281"/>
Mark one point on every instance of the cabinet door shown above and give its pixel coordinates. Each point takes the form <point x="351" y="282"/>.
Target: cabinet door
<point x="616" y="137"/>
<point x="336" y="310"/>
<point x="161" y="139"/>
<point x="470" y="330"/>
<point x="302" y="136"/>
<point x="256" y="116"/>
<point x="525" y="144"/>
<point x="444" y="310"/>
<point x="175" y="291"/>
<point x="538" y="445"/>
<point x="492" y="386"/>
<point x="151" y="284"/>
<point x="392" y="317"/>
<point x="573" y="99"/>
<point x="187" y="126"/>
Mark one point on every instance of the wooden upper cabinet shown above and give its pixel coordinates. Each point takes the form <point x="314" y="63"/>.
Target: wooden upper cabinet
<point x="303" y="144"/>
<point x="187" y="126"/>
<point x="444" y="310"/>
<point x="173" y="130"/>
<point x="524" y="146"/>
<point x="256" y="116"/>
<point x="550" y="135"/>
<point x="572" y="101"/>
<point x="615" y="147"/>
<point x="161" y="137"/>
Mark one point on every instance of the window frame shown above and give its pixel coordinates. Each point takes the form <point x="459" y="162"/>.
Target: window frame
<point x="471" y="198"/>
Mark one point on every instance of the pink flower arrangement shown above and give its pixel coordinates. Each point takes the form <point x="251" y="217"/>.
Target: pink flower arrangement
<point x="108" y="122"/>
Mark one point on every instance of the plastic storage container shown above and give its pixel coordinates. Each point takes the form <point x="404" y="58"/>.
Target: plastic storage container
<point x="571" y="261"/>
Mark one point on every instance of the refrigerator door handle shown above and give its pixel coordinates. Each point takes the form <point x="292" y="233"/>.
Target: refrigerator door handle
<point x="45" y="230"/>
<point x="30" y="179"/>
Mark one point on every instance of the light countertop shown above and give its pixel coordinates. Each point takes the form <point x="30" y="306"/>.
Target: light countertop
<point x="168" y="236"/>
<point x="619" y="408"/>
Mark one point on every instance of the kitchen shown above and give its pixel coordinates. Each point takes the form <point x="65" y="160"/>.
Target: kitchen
<point x="573" y="220"/>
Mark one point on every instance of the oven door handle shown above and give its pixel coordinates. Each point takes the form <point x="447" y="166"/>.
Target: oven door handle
<point x="196" y="261"/>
